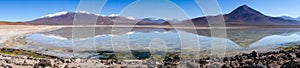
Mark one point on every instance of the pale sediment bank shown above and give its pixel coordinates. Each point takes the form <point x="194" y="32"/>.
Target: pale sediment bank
<point x="12" y="31"/>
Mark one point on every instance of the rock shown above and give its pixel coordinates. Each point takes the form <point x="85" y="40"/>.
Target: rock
<point x="77" y="60"/>
<point x="18" y="61"/>
<point x="7" y="66"/>
<point x="272" y="58"/>
<point x="8" y="61"/>
<point x="63" y="65"/>
<point x="232" y="59"/>
<point x="298" y="55"/>
<point x="192" y="65"/>
<point x="43" y="63"/>
<point x="24" y="57"/>
<point x="254" y="54"/>
<point x="202" y="62"/>
<point x="289" y="55"/>
<point x="249" y="62"/>
<point x="232" y="65"/>
<point x="260" y="66"/>
<point x="225" y="59"/>
<point x="282" y="51"/>
<point x="30" y="57"/>
<point x="30" y="62"/>
<point x="72" y="65"/>
<point x="291" y="64"/>
<point x="67" y="60"/>
<point x="225" y="66"/>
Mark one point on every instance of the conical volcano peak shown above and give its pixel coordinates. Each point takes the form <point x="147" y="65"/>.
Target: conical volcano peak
<point x="245" y="9"/>
<point x="245" y="6"/>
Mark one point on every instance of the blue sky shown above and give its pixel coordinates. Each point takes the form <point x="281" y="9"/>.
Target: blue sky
<point x="26" y="10"/>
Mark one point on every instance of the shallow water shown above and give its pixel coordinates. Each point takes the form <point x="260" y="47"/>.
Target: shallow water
<point x="156" y="38"/>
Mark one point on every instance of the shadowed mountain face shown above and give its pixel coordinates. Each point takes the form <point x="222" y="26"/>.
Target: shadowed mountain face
<point x="244" y="15"/>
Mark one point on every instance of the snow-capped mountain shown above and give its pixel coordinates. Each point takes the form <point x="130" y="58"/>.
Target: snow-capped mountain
<point x="66" y="18"/>
<point x="290" y="18"/>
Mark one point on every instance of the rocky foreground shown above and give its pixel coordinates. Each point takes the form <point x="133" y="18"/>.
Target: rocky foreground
<point x="30" y="62"/>
<point x="274" y="59"/>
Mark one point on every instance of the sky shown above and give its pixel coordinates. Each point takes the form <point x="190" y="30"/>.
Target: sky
<point x="26" y="10"/>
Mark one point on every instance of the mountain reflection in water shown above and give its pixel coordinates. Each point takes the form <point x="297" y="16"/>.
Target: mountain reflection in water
<point x="237" y="39"/>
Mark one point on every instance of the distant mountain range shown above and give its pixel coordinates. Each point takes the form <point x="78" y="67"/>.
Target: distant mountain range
<point x="290" y="18"/>
<point x="66" y="18"/>
<point x="243" y="15"/>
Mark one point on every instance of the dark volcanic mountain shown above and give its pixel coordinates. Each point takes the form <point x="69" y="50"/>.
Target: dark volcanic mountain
<point x="244" y="15"/>
<point x="66" y="18"/>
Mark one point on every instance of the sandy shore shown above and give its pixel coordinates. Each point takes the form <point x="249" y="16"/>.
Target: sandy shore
<point x="11" y="31"/>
